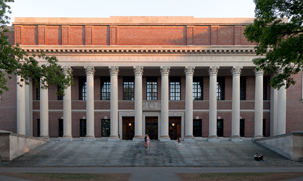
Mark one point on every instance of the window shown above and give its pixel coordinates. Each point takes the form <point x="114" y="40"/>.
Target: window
<point x="82" y="127"/>
<point x="60" y="97"/>
<point x="105" y="127"/>
<point x="198" y="88"/>
<point x="128" y="88"/>
<point x="242" y="127"/>
<point x="175" y="88"/>
<point x="197" y="127"/>
<point x="151" y="88"/>
<point x="38" y="92"/>
<point x="242" y="88"/>
<point x="82" y="88"/>
<point x="105" y="88"/>
<point x="221" y="88"/>
<point x="264" y="88"/>
<point x="60" y="127"/>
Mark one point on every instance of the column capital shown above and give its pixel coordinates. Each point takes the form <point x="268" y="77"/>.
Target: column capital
<point x="138" y="70"/>
<point x="236" y="70"/>
<point x="189" y="70"/>
<point x="213" y="70"/>
<point x="164" y="70"/>
<point x="113" y="70"/>
<point x="259" y="72"/>
<point x="89" y="70"/>
<point x="67" y="69"/>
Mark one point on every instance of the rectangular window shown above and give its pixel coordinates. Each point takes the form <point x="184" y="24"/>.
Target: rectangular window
<point x="264" y="88"/>
<point x="175" y="88"/>
<point x="82" y="88"/>
<point x="59" y="97"/>
<point x="38" y="92"/>
<point x="242" y="88"/>
<point x="197" y="127"/>
<point x="128" y="88"/>
<point x="198" y="88"/>
<point x="151" y="88"/>
<point x="105" y="88"/>
<point x="105" y="127"/>
<point x="220" y="88"/>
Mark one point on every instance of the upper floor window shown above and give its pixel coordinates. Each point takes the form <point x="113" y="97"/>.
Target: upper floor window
<point x="151" y="88"/>
<point x="242" y="88"/>
<point x="220" y="88"/>
<point x="128" y="88"/>
<point x="265" y="88"/>
<point x="105" y="88"/>
<point x="59" y="97"/>
<point x="175" y="88"/>
<point x="38" y="92"/>
<point x="82" y="88"/>
<point x="198" y="88"/>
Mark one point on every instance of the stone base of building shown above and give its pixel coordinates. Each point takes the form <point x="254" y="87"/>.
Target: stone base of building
<point x="113" y="138"/>
<point x="66" y="138"/>
<point x="45" y="137"/>
<point x="164" y="138"/>
<point x="236" y="139"/>
<point x="214" y="140"/>
<point x="189" y="139"/>
<point x="138" y="138"/>
<point x="258" y="137"/>
<point x="89" y="138"/>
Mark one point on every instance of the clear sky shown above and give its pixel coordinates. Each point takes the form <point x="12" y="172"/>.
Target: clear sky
<point x="107" y="8"/>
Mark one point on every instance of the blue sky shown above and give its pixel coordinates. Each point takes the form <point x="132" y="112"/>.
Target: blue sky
<point x="107" y="8"/>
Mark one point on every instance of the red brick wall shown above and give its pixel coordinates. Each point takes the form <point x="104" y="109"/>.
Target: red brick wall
<point x="202" y="35"/>
<point x="76" y="35"/>
<point x="53" y="35"/>
<point x="100" y="35"/>
<point x="29" y="35"/>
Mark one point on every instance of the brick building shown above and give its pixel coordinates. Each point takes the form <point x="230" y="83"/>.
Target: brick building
<point x="169" y="77"/>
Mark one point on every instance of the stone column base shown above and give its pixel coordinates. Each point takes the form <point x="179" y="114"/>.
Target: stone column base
<point x="113" y="138"/>
<point x="214" y="140"/>
<point x="44" y="137"/>
<point x="258" y="136"/>
<point x="164" y="138"/>
<point x="66" y="138"/>
<point x="138" y="138"/>
<point x="189" y="139"/>
<point x="236" y="139"/>
<point x="89" y="138"/>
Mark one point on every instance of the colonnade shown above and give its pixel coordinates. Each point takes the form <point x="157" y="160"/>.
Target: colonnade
<point x="164" y="136"/>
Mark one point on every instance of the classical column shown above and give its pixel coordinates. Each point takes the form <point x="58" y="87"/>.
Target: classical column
<point x="138" y="71"/>
<point x="43" y="109"/>
<point x="67" y="109"/>
<point x="114" y="103"/>
<point x="20" y="106"/>
<point x="213" y="72"/>
<point x="164" y="103"/>
<point x="274" y="102"/>
<point x="29" y="108"/>
<point x="281" y="128"/>
<point x="90" y="117"/>
<point x="235" y="128"/>
<point x="189" y="72"/>
<point x="259" y="104"/>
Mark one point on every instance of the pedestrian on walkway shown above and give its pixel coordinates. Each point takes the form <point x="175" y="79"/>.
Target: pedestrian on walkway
<point x="261" y="157"/>
<point x="179" y="143"/>
<point x="147" y="141"/>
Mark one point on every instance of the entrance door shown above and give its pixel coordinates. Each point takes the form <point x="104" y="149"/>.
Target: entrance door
<point x="220" y="127"/>
<point x="60" y="127"/>
<point x="197" y="127"/>
<point x="128" y="128"/>
<point x="242" y="127"/>
<point x="82" y="127"/>
<point x="151" y="127"/>
<point x="174" y="128"/>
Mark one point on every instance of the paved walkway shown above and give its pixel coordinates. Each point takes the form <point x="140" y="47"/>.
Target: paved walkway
<point x="149" y="173"/>
<point x="160" y="154"/>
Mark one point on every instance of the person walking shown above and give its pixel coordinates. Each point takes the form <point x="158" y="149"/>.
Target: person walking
<point x="179" y="143"/>
<point x="147" y="141"/>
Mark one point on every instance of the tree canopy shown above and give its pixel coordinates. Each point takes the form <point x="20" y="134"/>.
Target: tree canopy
<point x="278" y="31"/>
<point x="15" y="61"/>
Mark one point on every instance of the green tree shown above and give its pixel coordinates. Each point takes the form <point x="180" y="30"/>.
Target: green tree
<point x="278" y="31"/>
<point x="15" y="61"/>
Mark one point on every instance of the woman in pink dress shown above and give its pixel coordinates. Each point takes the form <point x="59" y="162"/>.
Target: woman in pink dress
<point x="147" y="141"/>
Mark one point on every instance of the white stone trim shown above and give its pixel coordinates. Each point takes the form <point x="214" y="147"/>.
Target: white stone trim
<point x="178" y="110"/>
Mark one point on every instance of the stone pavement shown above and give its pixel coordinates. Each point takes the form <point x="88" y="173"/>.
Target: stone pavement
<point x="160" y="154"/>
<point x="150" y="173"/>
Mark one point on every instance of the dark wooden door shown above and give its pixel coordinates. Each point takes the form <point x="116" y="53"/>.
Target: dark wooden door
<point x="60" y="127"/>
<point x="264" y="127"/>
<point x="242" y="127"/>
<point x="220" y="127"/>
<point x="38" y="127"/>
<point x="174" y="128"/>
<point x="128" y="131"/>
<point x="82" y="127"/>
<point x="197" y="127"/>
<point x="151" y="127"/>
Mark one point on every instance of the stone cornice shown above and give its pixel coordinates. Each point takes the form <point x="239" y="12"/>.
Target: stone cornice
<point x="70" y="49"/>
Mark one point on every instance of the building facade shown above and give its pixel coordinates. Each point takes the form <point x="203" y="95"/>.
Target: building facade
<point x="168" y="77"/>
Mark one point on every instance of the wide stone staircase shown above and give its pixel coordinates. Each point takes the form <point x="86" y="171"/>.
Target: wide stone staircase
<point x="160" y="154"/>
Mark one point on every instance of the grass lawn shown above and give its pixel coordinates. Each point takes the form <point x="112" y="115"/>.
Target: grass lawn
<point x="69" y="176"/>
<point x="238" y="176"/>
